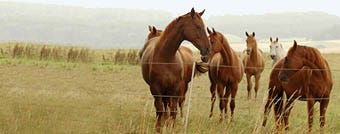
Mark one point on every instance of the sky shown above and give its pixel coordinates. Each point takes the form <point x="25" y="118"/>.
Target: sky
<point x="213" y="7"/>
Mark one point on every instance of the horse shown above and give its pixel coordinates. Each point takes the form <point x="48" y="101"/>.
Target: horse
<point x="187" y="56"/>
<point x="276" y="50"/>
<point x="302" y="75"/>
<point x="225" y="72"/>
<point x="162" y="65"/>
<point x="153" y="32"/>
<point x="253" y="61"/>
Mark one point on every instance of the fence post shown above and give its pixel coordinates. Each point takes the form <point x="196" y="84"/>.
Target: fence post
<point x="189" y="99"/>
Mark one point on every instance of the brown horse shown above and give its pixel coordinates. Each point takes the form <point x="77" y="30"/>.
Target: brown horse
<point x="187" y="56"/>
<point x="162" y="65"/>
<point x="153" y="33"/>
<point x="253" y="61"/>
<point x="225" y="72"/>
<point x="305" y="75"/>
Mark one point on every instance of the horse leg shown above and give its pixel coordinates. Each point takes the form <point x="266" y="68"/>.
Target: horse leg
<point x="234" y="88"/>
<point x="156" y="92"/>
<point x="272" y="93"/>
<point x="165" y="101"/>
<point x="257" y="83"/>
<point x="323" y="108"/>
<point x="278" y="107"/>
<point x="159" y="111"/>
<point x="310" y="108"/>
<point x="220" y="91"/>
<point x="249" y="85"/>
<point x="226" y="99"/>
<point x="287" y="110"/>
<point x="182" y="97"/>
<point x="173" y="110"/>
<point x="213" y="98"/>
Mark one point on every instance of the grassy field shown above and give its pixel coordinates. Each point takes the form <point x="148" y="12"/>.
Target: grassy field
<point x="66" y="97"/>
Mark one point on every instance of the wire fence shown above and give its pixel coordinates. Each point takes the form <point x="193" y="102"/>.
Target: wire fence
<point x="148" y="95"/>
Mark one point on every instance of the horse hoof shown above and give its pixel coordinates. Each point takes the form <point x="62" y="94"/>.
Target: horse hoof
<point x="221" y="120"/>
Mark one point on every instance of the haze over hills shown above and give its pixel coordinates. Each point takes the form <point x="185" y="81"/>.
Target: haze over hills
<point x="127" y="28"/>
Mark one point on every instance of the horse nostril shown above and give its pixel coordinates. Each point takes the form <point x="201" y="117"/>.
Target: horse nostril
<point x="205" y="58"/>
<point x="272" y="56"/>
<point x="283" y="78"/>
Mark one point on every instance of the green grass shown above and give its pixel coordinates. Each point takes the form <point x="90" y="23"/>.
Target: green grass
<point x="60" y="97"/>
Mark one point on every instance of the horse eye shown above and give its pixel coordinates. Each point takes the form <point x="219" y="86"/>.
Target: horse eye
<point x="212" y="43"/>
<point x="277" y="46"/>
<point x="198" y="27"/>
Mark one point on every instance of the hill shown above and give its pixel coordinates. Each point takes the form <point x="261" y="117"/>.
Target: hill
<point x="127" y="28"/>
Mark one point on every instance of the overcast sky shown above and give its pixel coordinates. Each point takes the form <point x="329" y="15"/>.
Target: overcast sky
<point x="213" y="7"/>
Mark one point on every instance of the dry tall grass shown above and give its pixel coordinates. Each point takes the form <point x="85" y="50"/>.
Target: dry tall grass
<point x="84" y="100"/>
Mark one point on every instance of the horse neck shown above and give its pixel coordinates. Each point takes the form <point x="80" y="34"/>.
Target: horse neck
<point x="316" y="62"/>
<point x="169" y="41"/>
<point x="226" y="52"/>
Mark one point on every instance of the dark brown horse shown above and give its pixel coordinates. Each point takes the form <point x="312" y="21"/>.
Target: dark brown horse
<point x="253" y="61"/>
<point x="162" y="65"/>
<point x="303" y="74"/>
<point x="225" y="72"/>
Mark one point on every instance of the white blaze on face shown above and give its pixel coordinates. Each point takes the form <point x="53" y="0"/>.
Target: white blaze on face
<point x="273" y="48"/>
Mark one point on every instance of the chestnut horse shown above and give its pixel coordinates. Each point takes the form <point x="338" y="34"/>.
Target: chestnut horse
<point x="253" y="61"/>
<point x="225" y="72"/>
<point x="153" y="33"/>
<point x="188" y="58"/>
<point x="162" y="65"/>
<point x="305" y="75"/>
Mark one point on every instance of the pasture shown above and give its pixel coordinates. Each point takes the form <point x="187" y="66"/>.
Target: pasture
<point x="51" y="96"/>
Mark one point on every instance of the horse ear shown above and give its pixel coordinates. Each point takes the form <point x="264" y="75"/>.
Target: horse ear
<point x="295" y="45"/>
<point x="271" y="39"/>
<point x="209" y="32"/>
<point x="201" y="13"/>
<point x="277" y="39"/>
<point x="192" y="13"/>
<point x="179" y="18"/>
<point x="247" y="34"/>
<point x="253" y="34"/>
<point x="154" y="30"/>
<point x="214" y="32"/>
<point x="150" y="28"/>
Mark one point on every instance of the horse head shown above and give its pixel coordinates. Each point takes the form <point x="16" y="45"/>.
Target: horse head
<point x="154" y="32"/>
<point x="216" y="41"/>
<point x="275" y="48"/>
<point x="294" y="61"/>
<point x="193" y="30"/>
<point x="251" y="43"/>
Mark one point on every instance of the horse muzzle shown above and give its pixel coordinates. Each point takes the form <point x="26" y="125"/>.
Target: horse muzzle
<point x="205" y="58"/>
<point x="272" y="56"/>
<point x="248" y="52"/>
<point x="283" y="78"/>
